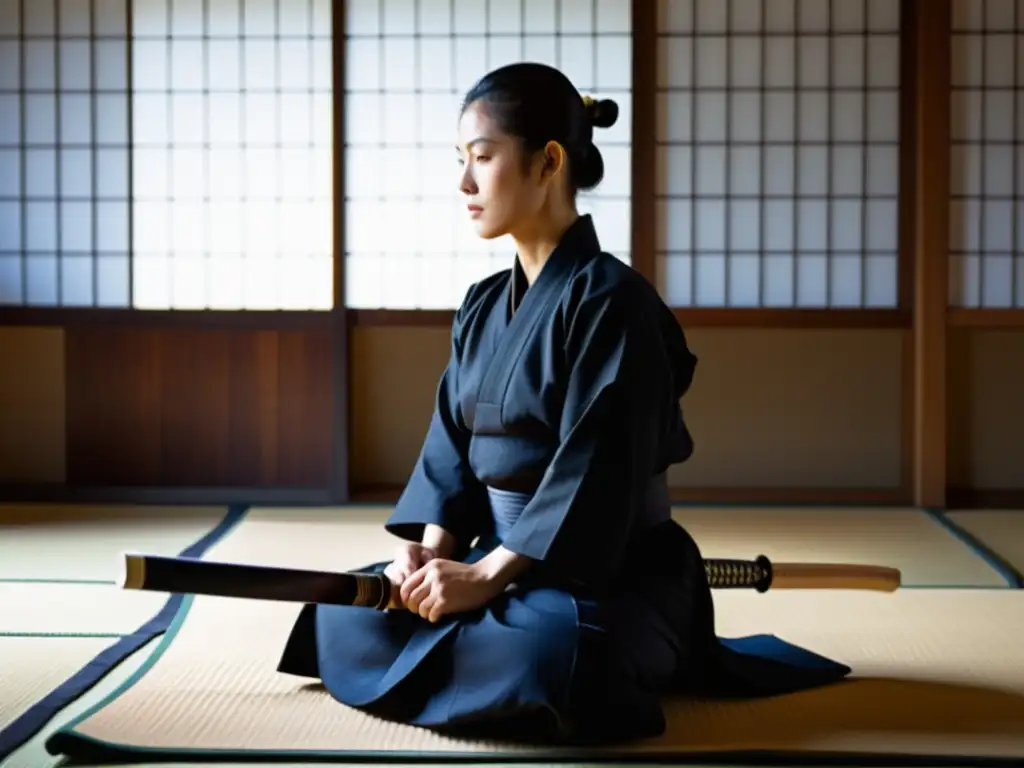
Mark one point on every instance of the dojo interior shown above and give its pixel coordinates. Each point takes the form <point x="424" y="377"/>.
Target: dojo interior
<point x="230" y="251"/>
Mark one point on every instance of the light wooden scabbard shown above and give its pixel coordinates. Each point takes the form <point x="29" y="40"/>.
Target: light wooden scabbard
<point x="762" y="575"/>
<point x="834" y="576"/>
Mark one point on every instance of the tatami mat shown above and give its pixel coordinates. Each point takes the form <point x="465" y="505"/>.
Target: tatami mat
<point x="42" y="541"/>
<point x="30" y="667"/>
<point x="941" y="673"/>
<point x="1001" y="531"/>
<point x="57" y="608"/>
<point x="57" y="568"/>
<point x="30" y="670"/>
<point x="924" y="551"/>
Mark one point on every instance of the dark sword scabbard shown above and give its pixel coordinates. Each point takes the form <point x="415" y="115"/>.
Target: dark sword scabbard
<point x="182" y="575"/>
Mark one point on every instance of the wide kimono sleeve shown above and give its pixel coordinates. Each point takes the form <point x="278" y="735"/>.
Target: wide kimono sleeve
<point x="617" y="410"/>
<point x="442" y="489"/>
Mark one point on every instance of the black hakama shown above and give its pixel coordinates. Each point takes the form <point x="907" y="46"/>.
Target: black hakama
<point x="553" y="427"/>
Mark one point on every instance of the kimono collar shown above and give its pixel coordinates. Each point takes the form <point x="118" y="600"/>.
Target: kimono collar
<point x="578" y="240"/>
<point x="580" y="236"/>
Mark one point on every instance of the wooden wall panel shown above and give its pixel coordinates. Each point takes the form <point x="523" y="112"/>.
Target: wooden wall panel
<point x="253" y="408"/>
<point x="777" y="415"/>
<point x="192" y="417"/>
<point x="986" y="407"/>
<point x="112" y="402"/>
<point x="198" y="408"/>
<point x="305" y="403"/>
<point x="31" y="405"/>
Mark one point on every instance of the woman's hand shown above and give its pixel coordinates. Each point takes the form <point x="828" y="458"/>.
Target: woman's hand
<point x="443" y="587"/>
<point x="409" y="558"/>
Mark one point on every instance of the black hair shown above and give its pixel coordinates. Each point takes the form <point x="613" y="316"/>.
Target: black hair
<point x="537" y="104"/>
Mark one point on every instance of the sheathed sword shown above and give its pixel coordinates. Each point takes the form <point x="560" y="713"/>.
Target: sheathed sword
<point x="183" y="575"/>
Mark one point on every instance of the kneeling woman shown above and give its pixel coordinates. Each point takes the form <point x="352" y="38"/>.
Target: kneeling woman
<point x="550" y="595"/>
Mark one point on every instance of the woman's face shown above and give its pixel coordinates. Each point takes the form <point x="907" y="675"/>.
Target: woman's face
<point x="500" y="191"/>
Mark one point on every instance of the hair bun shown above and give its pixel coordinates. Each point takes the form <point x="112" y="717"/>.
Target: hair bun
<point x="602" y="112"/>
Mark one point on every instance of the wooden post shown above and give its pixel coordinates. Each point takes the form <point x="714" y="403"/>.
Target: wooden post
<point x="643" y="195"/>
<point x="930" y="33"/>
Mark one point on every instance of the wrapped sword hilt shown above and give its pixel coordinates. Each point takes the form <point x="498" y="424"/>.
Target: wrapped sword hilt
<point x="723" y="573"/>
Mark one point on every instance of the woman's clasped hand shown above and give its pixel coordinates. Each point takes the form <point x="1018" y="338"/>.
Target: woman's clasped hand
<point x="433" y="586"/>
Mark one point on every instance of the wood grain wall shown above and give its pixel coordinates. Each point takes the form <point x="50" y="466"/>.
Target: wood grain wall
<point x="251" y="411"/>
<point x="774" y="413"/>
<point x="104" y="407"/>
<point x="32" y="412"/>
<point x="195" y="408"/>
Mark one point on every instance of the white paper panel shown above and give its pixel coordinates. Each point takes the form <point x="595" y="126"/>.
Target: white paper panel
<point x="986" y="228"/>
<point x="778" y="132"/>
<point x="408" y="64"/>
<point x="63" y="154"/>
<point x="230" y="205"/>
<point x="232" y="188"/>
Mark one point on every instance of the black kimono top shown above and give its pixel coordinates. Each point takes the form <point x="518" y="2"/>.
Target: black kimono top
<point x="573" y="397"/>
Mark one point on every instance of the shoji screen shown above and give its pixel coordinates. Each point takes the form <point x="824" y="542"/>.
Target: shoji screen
<point x="231" y="154"/>
<point x="190" y="169"/>
<point x="987" y="162"/>
<point x="778" y="131"/>
<point x="64" y="153"/>
<point x="408" y="62"/>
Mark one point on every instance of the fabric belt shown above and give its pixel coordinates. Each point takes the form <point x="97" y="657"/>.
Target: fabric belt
<point x="507" y="506"/>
